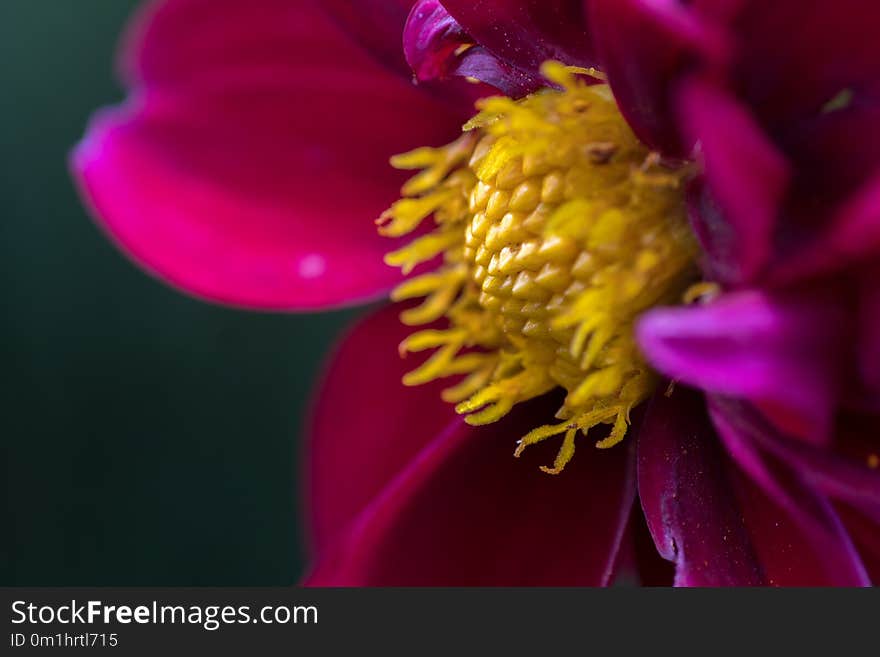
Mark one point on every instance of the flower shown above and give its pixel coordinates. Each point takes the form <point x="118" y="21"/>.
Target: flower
<point x="250" y="125"/>
<point x="239" y="169"/>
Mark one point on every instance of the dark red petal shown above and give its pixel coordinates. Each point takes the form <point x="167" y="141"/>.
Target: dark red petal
<point x="824" y="542"/>
<point x="847" y="235"/>
<point x="688" y="503"/>
<point x="865" y="532"/>
<point x="793" y="58"/>
<point x="526" y="33"/>
<point x="252" y="158"/>
<point x="746" y="179"/>
<point x="643" y="46"/>
<point x="869" y="330"/>
<point x="437" y="48"/>
<point x="365" y="425"/>
<point x="788" y="555"/>
<point x="376" y="24"/>
<point x="465" y="512"/>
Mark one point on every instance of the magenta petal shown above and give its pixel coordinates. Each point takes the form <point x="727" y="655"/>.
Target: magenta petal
<point x="746" y="177"/>
<point x="252" y="158"/>
<point x="823" y="543"/>
<point x="688" y="504"/>
<point x="366" y="426"/>
<point x="865" y="532"/>
<point x="465" y="512"/>
<point x="869" y="331"/>
<point x="842" y="471"/>
<point x="643" y="45"/>
<point x="376" y="24"/>
<point x="775" y="351"/>
<point x="526" y="33"/>
<point x="437" y="47"/>
<point x="851" y="234"/>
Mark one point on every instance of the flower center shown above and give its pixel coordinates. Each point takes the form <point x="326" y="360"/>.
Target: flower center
<point x="557" y="228"/>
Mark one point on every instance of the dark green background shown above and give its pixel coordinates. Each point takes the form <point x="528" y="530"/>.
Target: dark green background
<point x="148" y="438"/>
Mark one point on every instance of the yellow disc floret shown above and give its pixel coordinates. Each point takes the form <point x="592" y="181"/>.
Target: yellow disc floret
<point x="557" y="228"/>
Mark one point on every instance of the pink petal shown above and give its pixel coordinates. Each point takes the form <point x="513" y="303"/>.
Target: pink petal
<point x="464" y="511"/>
<point x="365" y="425"/>
<point x="794" y="527"/>
<point x="746" y="179"/>
<point x="251" y="160"/>
<point x="644" y="46"/>
<point x="779" y="352"/>
<point x="688" y="503"/>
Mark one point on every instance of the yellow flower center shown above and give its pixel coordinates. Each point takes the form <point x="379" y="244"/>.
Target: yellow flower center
<point x="557" y="228"/>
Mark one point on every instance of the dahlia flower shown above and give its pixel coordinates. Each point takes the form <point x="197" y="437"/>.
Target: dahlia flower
<point x="657" y="241"/>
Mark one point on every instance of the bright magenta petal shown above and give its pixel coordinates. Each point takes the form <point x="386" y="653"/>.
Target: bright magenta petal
<point x="428" y="505"/>
<point x="689" y="505"/>
<point x="252" y="158"/>
<point x="366" y="426"/>
<point x="778" y="352"/>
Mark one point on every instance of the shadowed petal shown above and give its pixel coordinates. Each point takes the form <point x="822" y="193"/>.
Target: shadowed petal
<point x="777" y="351"/>
<point x="643" y="46"/>
<point x="365" y="425"/>
<point x="688" y="503"/>
<point x="788" y="555"/>
<point x="747" y="179"/>
<point x="465" y="512"/>
<point x="851" y="234"/>
<point x="787" y="73"/>
<point x="251" y="160"/>
<point x="847" y="471"/>
<point x="869" y="329"/>
<point x="437" y="47"/>
<point x="526" y="33"/>
<point x="816" y="548"/>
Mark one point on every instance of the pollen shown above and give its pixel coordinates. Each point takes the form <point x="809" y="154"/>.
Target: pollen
<point x="554" y="228"/>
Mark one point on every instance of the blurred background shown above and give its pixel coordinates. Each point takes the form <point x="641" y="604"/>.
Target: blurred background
<point x="149" y="439"/>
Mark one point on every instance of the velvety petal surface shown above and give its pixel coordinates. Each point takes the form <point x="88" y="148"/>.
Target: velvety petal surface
<point x="376" y="24"/>
<point x="689" y="504"/>
<point x="788" y="73"/>
<point x="422" y="503"/>
<point x="781" y="352"/>
<point x="644" y="46"/>
<point x="365" y="425"/>
<point x="790" y="556"/>
<point x="869" y="330"/>
<point x="526" y="33"/>
<point x="251" y="158"/>
<point x="745" y="175"/>
<point x="846" y="470"/>
<point x="798" y="532"/>
<point x="437" y="48"/>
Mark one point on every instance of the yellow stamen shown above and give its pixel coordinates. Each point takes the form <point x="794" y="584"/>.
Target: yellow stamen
<point x="557" y="228"/>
